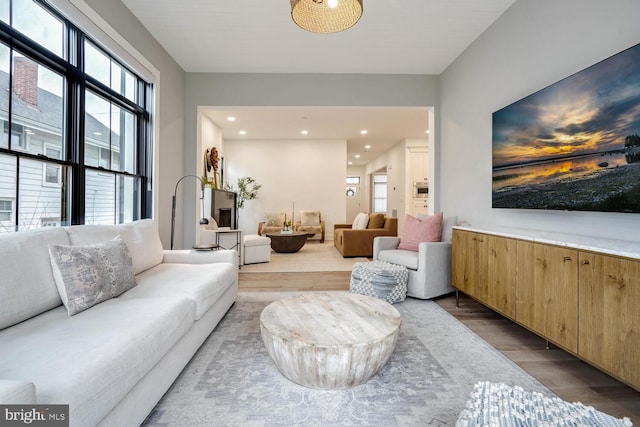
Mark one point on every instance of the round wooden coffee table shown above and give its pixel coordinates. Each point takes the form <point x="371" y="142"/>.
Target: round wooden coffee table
<point x="289" y="242"/>
<point x="330" y="340"/>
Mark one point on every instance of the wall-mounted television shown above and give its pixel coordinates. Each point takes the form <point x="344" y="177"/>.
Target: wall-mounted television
<point x="574" y="145"/>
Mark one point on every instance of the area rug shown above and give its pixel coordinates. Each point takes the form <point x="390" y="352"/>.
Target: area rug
<point x="314" y="256"/>
<point x="231" y="381"/>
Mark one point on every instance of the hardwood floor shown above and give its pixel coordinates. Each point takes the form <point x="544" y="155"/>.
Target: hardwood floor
<point x="301" y="281"/>
<point x="567" y="376"/>
<point x="570" y="378"/>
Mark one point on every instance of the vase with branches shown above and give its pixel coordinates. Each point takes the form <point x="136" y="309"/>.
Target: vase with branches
<point x="247" y="190"/>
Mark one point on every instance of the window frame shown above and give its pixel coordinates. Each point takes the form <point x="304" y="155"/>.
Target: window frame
<point x="374" y="186"/>
<point x="11" y="211"/>
<point x="71" y="168"/>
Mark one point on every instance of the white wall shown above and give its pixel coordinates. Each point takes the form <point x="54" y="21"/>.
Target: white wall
<point x="300" y="175"/>
<point x="533" y="44"/>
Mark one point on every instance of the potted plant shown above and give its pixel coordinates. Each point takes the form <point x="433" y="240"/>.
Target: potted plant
<point x="247" y="190"/>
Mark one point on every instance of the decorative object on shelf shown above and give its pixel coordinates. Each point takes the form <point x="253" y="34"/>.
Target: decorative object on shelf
<point x="286" y="226"/>
<point x="203" y="220"/>
<point x="211" y="164"/>
<point x="326" y="16"/>
<point x="206" y="247"/>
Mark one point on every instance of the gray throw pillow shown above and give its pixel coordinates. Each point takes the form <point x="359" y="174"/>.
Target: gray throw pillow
<point x="88" y="275"/>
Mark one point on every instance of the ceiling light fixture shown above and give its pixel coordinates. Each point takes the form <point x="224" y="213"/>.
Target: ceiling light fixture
<point x="363" y="132"/>
<point x="304" y="132"/>
<point x="326" y="16"/>
<point x="243" y="132"/>
<point x="231" y="119"/>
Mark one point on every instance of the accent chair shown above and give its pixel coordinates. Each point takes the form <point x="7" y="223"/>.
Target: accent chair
<point x="273" y="222"/>
<point x="311" y="222"/>
<point x="429" y="267"/>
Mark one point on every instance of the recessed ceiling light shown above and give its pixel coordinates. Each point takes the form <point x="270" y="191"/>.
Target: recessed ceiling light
<point x="357" y="156"/>
<point x="363" y="132"/>
<point x="366" y="147"/>
<point x="243" y="132"/>
<point x="305" y="132"/>
<point x="350" y="163"/>
<point x="426" y="131"/>
<point x="231" y="119"/>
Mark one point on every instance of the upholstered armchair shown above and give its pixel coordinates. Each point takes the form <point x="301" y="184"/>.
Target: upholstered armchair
<point x="429" y="267"/>
<point x="353" y="242"/>
<point x="311" y="222"/>
<point x="273" y="222"/>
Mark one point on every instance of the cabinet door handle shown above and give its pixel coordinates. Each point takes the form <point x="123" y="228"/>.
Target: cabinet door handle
<point x="585" y="262"/>
<point x="567" y="258"/>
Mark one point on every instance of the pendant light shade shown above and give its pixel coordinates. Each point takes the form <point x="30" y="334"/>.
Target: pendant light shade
<point x="326" y="16"/>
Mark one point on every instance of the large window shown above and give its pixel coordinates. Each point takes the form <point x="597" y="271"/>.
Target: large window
<point x="380" y="193"/>
<point x="75" y="144"/>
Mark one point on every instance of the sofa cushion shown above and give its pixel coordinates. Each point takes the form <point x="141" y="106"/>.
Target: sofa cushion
<point x="376" y="220"/>
<point x="274" y="219"/>
<point x="91" y="360"/>
<point x="141" y="237"/>
<point x="315" y="229"/>
<point x="201" y="284"/>
<point x="27" y="287"/>
<point x="361" y="221"/>
<point x="88" y="275"/>
<point x="416" y="231"/>
<point x="266" y="230"/>
<point x="406" y="258"/>
<point x="448" y="222"/>
<point x="310" y="218"/>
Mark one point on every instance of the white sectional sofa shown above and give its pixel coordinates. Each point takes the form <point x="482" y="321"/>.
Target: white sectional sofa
<point x="111" y="362"/>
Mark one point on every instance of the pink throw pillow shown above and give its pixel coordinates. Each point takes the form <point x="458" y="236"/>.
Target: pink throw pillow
<point x="416" y="231"/>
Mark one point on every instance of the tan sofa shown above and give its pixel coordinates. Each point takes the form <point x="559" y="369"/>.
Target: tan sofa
<point x="352" y="243"/>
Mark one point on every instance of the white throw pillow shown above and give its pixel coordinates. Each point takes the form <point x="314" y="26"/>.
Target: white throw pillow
<point x="360" y="222"/>
<point x="88" y="275"/>
<point x="274" y="219"/>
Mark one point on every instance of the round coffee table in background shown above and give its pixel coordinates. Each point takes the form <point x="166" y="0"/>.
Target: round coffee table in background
<point x="329" y="340"/>
<point x="288" y="242"/>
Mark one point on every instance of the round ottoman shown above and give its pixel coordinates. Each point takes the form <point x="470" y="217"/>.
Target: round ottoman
<point x="380" y="279"/>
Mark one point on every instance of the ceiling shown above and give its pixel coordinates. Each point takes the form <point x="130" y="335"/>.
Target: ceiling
<point x="392" y="37"/>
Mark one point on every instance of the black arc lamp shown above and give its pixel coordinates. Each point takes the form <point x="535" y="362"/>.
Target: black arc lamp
<point x="203" y="220"/>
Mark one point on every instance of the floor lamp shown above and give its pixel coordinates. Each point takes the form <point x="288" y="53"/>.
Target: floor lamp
<point x="203" y="220"/>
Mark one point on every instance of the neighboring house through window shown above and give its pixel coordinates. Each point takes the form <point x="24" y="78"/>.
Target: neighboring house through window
<point x="52" y="173"/>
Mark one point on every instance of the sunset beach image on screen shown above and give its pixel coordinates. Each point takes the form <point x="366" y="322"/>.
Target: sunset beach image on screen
<point x="574" y="145"/>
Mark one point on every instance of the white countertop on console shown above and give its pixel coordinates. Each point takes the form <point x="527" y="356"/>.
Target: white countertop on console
<point x="624" y="248"/>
